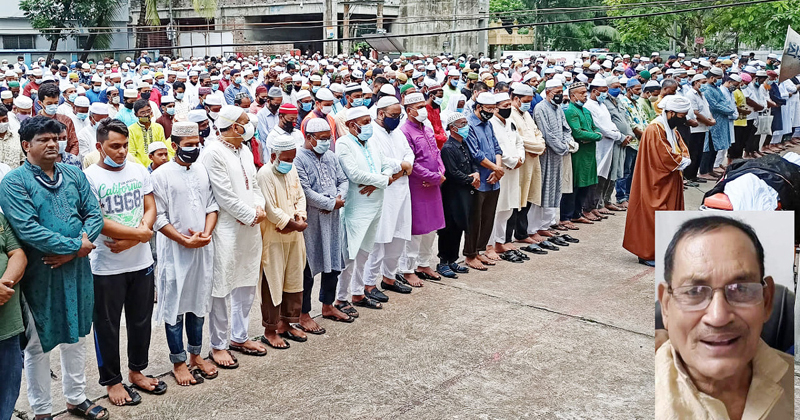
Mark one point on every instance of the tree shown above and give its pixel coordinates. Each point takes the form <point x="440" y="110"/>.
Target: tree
<point x="148" y="15"/>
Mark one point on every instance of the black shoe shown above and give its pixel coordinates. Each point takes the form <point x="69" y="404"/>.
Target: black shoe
<point x="445" y="271"/>
<point x="521" y="254"/>
<point x="376" y="295"/>
<point x="570" y="239"/>
<point x="399" y="277"/>
<point x="691" y="184"/>
<point x="534" y="249"/>
<point x="548" y="246"/>
<point x="511" y="257"/>
<point x="396" y="287"/>
<point x="460" y="269"/>
<point x="368" y="303"/>
<point x="699" y="180"/>
<point x="558" y="241"/>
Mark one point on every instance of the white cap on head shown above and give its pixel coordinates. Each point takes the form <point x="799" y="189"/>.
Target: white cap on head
<point x="598" y="82"/>
<point x="82" y="101"/>
<point x="167" y="99"/>
<point x="735" y="77"/>
<point x="6" y="94"/>
<point x="675" y="103"/>
<point x="156" y="145"/>
<point x="502" y="96"/>
<point x="302" y="94"/>
<point x="98" y="108"/>
<point x="413" y="98"/>
<point x="553" y="83"/>
<point x="486" y="98"/>
<point x="316" y="125"/>
<point x="453" y="117"/>
<point x="357" y="112"/>
<point x="325" y="94"/>
<point x="23" y="102"/>
<point x="698" y="77"/>
<point x="387" y="101"/>
<point x="185" y="129"/>
<point x="213" y="100"/>
<point x="197" y="116"/>
<point x="283" y="143"/>
<point x="522" y="89"/>
<point x="228" y="115"/>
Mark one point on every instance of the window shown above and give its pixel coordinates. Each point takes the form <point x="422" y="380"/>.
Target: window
<point x="81" y="41"/>
<point x="19" y="42"/>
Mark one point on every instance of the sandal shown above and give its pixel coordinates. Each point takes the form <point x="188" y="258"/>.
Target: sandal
<point x="265" y="341"/>
<point x="86" y="411"/>
<point x="244" y="350"/>
<point x="426" y="276"/>
<point x="367" y="303"/>
<point x="520" y="254"/>
<point x="160" y="388"/>
<point x="135" y="397"/>
<point x="198" y="377"/>
<point x="347" y="320"/>
<point x="320" y="331"/>
<point x="511" y="257"/>
<point x="233" y="366"/>
<point x="290" y="336"/>
<point x="347" y="308"/>
<point x="204" y="374"/>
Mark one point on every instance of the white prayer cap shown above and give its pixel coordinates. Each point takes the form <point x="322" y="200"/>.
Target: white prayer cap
<point x="82" y="101"/>
<point x="302" y="94"/>
<point x="529" y="76"/>
<point x="387" y="89"/>
<point x="97" y="78"/>
<point x="486" y="98"/>
<point x="598" y="82"/>
<point x="413" y="98"/>
<point x="316" y="125"/>
<point x="453" y="72"/>
<point x="284" y="142"/>
<point x="675" y="103"/>
<point x="167" y="99"/>
<point x="716" y="71"/>
<point x="324" y="94"/>
<point x="698" y="77"/>
<point x="315" y="78"/>
<point x="192" y="73"/>
<point x="366" y="88"/>
<point x="337" y="87"/>
<point x="228" y="115"/>
<point x="502" y="96"/>
<point x="295" y="77"/>
<point x="761" y="73"/>
<point x="98" y="108"/>
<point x="156" y="145"/>
<point x="735" y="77"/>
<point x="80" y="90"/>
<point x="143" y="85"/>
<point x="185" y="129"/>
<point x="522" y="89"/>
<point x="582" y="78"/>
<point x="197" y="116"/>
<point x="387" y="101"/>
<point x="453" y="117"/>
<point x="652" y="83"/>
<point x="553" y="83"/>
<point x="357" y="112"/>
<point x="352" y="87"/>
<point x="611" y="80"/>
<point x="23" y="102"/>
<point x="213" y="100"/>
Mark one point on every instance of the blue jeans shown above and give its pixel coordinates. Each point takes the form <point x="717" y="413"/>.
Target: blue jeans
<point x="11" y="372"/>
<point x="623" y="185"/>
<point x="194" y="334"/>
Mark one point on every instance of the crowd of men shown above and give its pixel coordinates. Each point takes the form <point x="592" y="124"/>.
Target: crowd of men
<point x="269" y="172"/>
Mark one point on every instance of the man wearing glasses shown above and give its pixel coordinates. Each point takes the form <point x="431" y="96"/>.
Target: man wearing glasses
<point x="715" y="302"/>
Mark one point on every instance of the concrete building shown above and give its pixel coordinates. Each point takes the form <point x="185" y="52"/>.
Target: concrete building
<point x="17" y="36"/>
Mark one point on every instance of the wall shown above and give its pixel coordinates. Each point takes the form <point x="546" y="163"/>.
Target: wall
<point x="442" y="12"/>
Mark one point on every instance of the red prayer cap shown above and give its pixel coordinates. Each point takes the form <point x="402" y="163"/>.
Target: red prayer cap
<point x="772" y="73"/>
<point x="261" y="89"/>
<point x="287" y="109"/>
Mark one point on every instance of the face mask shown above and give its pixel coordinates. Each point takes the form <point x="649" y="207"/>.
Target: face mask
<point x="578" y="103"/>
<point x="38" y="81"/>
<point x="390" y="123"/>
<point x="769" y="82"/>
<point x="306" y="106"/>
<point x="238" y="80"/>
<point x="504" y="112"/>
<point x="82" y="115"/>
<point x="214" y="86"/>
<point x="558" y="98"/>
<point x="179" y="96"/>
<point x="486" y="115"/>
<point x="635" y="97"/>
<point x="366" y="132"/>
<point x="23" y="117"/>
<point x="108" y="161"/>
<point x="660" y="77"/>
<point x="3" y="127"/>
<point x="705" y="73"/>
<point x="602" y="97"/>
<point x="732" y="88"/>
<point x="357" y="102"/>
<point x="188" y="154"/>
<point x="614" y="92"/>
<point x="226" y="77"/>
<point x="422" y="115"/>
<point x="718" y="83"/>
<point x="72" y="97"/>
<point x="87" y="73"/>
<point x="171" y="111"/>
<point x="684" y="82"/>
<point x="160" y="82"/>
<point x="96" y="89"/>
<point x="438" y="101"/>
<point x="453" y="82"/>
<point x="490" y="83"/>
<point x="249" y="131"/>
<point x="146" y="96"/>
<point x="51" y="109"/>
<point x="327" y="109"/>
<point x="205" y="133"/>
<point x="463" y="131"/>
<point x="62" y="146"/>
<point x="322" y="146"/>
<point x="144" y="120"/>
<point x="145" y="71"/>
<point x="297" y="88"/>
<point x="283" y="167"/>
<point x="675" y="122"/>
<point x="314" y="89"/>
<point x="287" y="127"/>
<point x="391" y="81"/>
<point x="523" y="107"/>
<point x="367" y="101"/>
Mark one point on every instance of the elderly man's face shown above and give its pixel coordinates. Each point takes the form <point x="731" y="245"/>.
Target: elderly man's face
<point x="720" y="341"/>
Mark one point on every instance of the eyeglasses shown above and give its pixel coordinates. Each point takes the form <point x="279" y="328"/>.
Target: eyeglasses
<point x="697" y="298"/>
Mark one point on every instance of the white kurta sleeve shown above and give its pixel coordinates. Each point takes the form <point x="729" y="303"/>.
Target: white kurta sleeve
<point x="349" y="163"/>
<point x="223" y="190"/>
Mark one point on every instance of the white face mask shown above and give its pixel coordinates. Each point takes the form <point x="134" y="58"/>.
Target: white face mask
<point x="422" y="115"/>
<point x="3" y="127"/>
<point x="115" y="100"/>
<point x="327" y="109"/>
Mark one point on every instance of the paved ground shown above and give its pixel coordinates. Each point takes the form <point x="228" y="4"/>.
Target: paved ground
<point x="563" y="336"/>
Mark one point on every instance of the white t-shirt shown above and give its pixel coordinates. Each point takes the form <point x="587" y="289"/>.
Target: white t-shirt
<point x="121" y="195"/>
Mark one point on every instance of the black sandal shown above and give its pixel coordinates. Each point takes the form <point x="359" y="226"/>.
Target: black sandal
<point x="248" y="352"/>
<point x="347" y="308"/>
<point x="86" y="411"/>
<point x="300" y="327"/>
<point x="233" y="366"/>
<point x="289" y="336"/>
<point x="198" y="378"/>
<point x="265" y="341"/>
<point x="159" y="389"/>
<point x="368" y="303"/>
<point x="204" y="374"/>
<point x="135" y="397"/>
<point x="511" y="257"/>
<point x="426" y="276"/>
<point x="520" y="254"/>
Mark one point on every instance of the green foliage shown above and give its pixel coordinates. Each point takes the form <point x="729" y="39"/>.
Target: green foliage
<point x="45" y="14"/>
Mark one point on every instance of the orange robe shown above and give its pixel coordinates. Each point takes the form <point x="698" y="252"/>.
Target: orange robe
<point x="657" y="186"/>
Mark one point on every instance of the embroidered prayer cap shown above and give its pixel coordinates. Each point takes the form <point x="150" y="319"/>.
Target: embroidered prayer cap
<point x="633" y="82"/>
<point x="453" y="117"/>
<point x="413" y="98"/>
<point x="284" y="142"/>
<point x="316" y="125"/>
<point x="352" y="87"/>
<point x="735" y="77"/>
<point x="576" y="85"/>
<point x="716" y="71"/>
<point x="185" y="129"/>
<point x="698" y="77"/>
<point x="357" y="112"/>
<point x="6" y="94"/>
<point x="156" y="145"/>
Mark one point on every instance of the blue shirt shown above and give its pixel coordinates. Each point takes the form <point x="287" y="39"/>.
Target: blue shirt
<point x="231" y="92"/>
<point x="97" y="97"/>
<point x="483" y="145"/>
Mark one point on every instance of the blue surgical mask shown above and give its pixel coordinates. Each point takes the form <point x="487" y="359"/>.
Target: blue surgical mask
<point x="110" y="162"/>
<point x="718" y="83"/>
<point x="367" y="101"/>
<point x="684" y="82"/>
<point x="578" y="103"/>
<point x="602" y="97"/>
<point x="635" y="97"/>
<point x="283" y="167"/>
<point x="525" y="107"/>
<point x="161" y="82"/>
<point x="145" y="71"/>
<point x="459" y="110"/>
<point x="179" y="96"/>
<point x="705" y="73"/>
<point x="96" y="89"/>
<point x="454" y="82"/>
<point x="463" y="131"/>
<point x="214" y="86"/>
<point x="117" y="85"/>
<point x="314" y="89"/>
<point x="72" y="97"/>
<point x="171" y="111"/>
<point x="366" y="132"/>
<point x="614" y="92"/>
<point x="357" y="102"/>
<point x="438" y="101"/>
<point x="306" y="106"/>
<point x="322" y="146"/>
<point x="238" y="80"/>
<point x="660" y="77"/>
<point x="82" y="115"/>
<point x="51" y="109"/>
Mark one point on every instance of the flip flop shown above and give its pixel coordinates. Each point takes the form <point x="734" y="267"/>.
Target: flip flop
<point x="347" y="308"/>
<point x="82" y="410"/>
<point x="248" y="352"/>
<point x="289" y="336"/>
<point x="198" y="378"/>
<point x="233" y="366"/>
<point x="206" y="375"/>
<point x="320" y="331"/>
<point x="135" y="397"/>
<point x="347" y="320"/>
<point x="265" y="341"/>
<point x="160" y="388"/>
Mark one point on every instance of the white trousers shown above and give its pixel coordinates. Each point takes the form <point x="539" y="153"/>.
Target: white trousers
<point x="352" y="277"/>
<point x="37" y="371"/>
<point x="500" y="222"/>
<point x="541" y="218"/>
<point x="419" y="252"/>
<point x="719" y="158"/>
<point x="383" y="261"/>
<point x="230" y="317"/>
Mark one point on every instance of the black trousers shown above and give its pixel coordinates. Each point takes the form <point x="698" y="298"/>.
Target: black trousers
<point x="481" y="222"/>
<point x="327" y="288"/>
<point x="572" y="203"/>
<point x="752" y="139"/>
<point x="135" y="292"/>
<point x="737" y="148"/>
<point x="449" y="243"/>
<point x="517" y="225"/>
<point x="695" y="146"/>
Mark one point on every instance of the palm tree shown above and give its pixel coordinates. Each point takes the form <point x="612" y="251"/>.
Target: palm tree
<point x="148" y="15"/>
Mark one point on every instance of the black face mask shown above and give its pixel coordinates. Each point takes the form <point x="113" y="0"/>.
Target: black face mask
<point x="504" y="112"/>
<point x="205" y="133"/>
<point x="188" y="156"/>
<point x="297" y="88"/>
<point x="273" y="108"/>
<point x="676" y="122"/>
<point x="486" y="115"/>
<point x="558" y="98"/>
<point x="146" y="96"/>
<point x="129" y="105"/>
<point x="287" y="127"/>
<point x="262" y="101"/>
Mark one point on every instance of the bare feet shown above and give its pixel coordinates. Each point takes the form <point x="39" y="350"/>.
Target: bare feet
<point x="545" y="233"/>
<point x="142" y="381"/>
<point x="117" y="394"/>
<point x="474" y="262"/>
<point x="330" y="310"/>
<point x="491" y="254"/>
<point x="485" y="260"/>
<point x="413" y="280"/>
<point x="195" y="360"/>
<point x="250" y="345"/>
<point x="222" y="357"/>
<point x="308" y="324"/>
<point x="182" y="375"/>
<point x="501" y="248"/>
<point x="537" y="238"/>
<point x="284" y="326"/>
<point x="274" y="339"/>
<point x="528" y="240"/>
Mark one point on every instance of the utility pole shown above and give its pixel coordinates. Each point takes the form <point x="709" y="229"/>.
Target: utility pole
<point x="453" y="27"/>
<point x="346" y="27"/>
<point x="330" y="16"/>
<point x="379" y="15"/>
